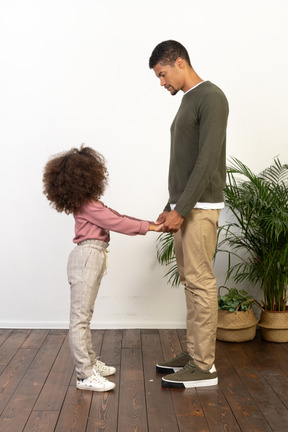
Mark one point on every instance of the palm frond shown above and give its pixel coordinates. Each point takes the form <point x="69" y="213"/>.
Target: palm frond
<point x="166" y="256"/>
<point x="165" y="248"/>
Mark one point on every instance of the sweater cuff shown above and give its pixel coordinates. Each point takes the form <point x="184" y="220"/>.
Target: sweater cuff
<point x="167" y="207"/>
<point x="144" y="227"/>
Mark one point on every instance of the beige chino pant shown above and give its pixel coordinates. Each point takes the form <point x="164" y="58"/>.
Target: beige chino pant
<point x="86" y="266"/>
<point x="195" y="245"/>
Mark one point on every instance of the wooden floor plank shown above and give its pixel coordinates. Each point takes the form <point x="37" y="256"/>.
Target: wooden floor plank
<point x="13" y="374"/>
<point x="188" y="410"/>
<point x="269" y="366"/>
<point x="4" y="333"/>
<point x="10" y="346"/>
<point x="75" y="411"/>
<point x="111" y="347"/>
<point x="53" y="393"/>
<point x="42" y="421"/>
<point x="103" y="416"/>
<point x="131" y="338"/>
<point x="170" y="343"/>
<point x="58" y="332"/>
<point x="132" y="405"/>
<point x="35" y="339"/>
<point x="270" y="357"/>
<point x="160" y="409"/>
<point x="217" y="410"/>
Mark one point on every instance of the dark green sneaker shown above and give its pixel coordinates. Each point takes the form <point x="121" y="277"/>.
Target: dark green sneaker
<point x="174" y="364"/>
<point x="191" y="376"/>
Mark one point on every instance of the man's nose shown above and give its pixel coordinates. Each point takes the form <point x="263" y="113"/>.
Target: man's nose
<point x="162" y="81"/>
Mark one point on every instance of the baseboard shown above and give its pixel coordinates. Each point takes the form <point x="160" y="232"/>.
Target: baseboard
<point x="99" y="325"/>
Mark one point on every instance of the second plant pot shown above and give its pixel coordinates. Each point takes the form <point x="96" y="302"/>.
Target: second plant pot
<point x="274" y="326"/>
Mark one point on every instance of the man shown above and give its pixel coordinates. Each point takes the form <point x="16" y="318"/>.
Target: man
<point x="197" y="177"/>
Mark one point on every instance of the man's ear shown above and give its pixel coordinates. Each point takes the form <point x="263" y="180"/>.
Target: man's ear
<point x="180" y="63"/>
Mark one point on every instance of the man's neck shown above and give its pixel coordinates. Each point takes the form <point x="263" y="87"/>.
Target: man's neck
<point x="192" y="79"/>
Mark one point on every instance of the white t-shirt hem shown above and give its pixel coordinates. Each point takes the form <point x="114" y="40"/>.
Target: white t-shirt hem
<point x="205" y="206"/>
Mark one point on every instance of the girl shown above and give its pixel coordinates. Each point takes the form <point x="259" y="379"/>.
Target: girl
<point x="73" y="183"/>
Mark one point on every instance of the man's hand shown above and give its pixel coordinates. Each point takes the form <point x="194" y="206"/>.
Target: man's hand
<point x="162" y="217"/>
<point x="173" y="221"/>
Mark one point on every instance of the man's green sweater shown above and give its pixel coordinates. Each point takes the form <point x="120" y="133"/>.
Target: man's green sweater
<point x="197" y="170"/>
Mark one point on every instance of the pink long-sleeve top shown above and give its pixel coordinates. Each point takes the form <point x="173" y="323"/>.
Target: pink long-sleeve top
<point x="95" y="220"/>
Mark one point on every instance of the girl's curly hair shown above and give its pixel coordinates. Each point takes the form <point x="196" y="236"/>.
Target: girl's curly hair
<point x="73" y="178"/>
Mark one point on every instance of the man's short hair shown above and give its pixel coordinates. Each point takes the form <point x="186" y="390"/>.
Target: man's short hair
<point x="167" y="52"/>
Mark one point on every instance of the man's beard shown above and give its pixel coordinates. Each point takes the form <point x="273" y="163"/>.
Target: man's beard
<point x="174" y="91"/>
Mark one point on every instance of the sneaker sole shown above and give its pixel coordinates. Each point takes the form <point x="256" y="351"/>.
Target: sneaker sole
<point x="190" y="384"/>
<point x="95" y="389"/>
<point x="167" y="369"/>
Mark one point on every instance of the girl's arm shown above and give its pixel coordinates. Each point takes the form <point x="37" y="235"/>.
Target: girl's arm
<point x="103" y="217"/>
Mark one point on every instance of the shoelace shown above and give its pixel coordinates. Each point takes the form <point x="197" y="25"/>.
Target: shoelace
<point x="184" y="354"/>
<point x="94" y="378"/>
<point x="191" y="367"/>
<point x="188" y="367"/>
<point x="98" y="378"/>
<point x="100" y="365"/>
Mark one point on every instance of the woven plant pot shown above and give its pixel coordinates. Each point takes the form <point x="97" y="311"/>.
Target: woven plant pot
<point x="274" y="326"/>
<point x="236" y="326"/>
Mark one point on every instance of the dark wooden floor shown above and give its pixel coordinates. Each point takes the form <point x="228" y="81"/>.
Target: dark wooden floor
<point x="38" y="393"/>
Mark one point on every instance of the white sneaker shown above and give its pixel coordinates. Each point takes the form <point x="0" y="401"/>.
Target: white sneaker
<point x="95" y="383"/>
<point x="103" y="369"/>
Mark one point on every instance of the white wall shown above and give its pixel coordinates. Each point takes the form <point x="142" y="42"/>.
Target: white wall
<point x="76" y="71"/>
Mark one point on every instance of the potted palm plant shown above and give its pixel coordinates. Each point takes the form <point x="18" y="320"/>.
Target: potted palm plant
<point x="257" y="239"/>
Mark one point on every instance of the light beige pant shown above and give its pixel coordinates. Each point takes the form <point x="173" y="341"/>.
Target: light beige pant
<point x="86" y="266"/>
<point x="195" y="245"/>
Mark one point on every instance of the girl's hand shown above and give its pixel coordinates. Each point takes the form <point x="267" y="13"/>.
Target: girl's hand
<point x="156" y="228"/>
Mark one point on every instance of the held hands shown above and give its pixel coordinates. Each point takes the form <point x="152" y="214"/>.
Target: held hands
<point x="167" y="222"/>
<point x="171" y="221"/>
<point x="158" y="225"/>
